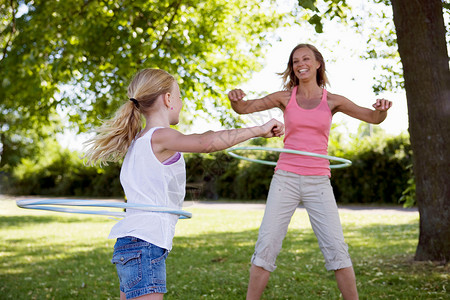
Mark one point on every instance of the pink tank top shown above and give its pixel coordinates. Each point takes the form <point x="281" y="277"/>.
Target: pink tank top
<point x="306" y="130"/>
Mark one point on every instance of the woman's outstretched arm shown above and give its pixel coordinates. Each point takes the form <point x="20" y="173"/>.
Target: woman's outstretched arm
<point x="373" y="116"/>
<point x="277" y="99"/>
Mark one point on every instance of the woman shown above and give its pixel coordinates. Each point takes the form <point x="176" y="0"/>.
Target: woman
<point x="308" y="109"/>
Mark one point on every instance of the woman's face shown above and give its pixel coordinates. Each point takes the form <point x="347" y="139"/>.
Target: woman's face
<point x="304" y="64"/>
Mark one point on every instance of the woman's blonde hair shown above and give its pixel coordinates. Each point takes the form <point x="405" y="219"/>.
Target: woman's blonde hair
<point x="115" y="135"/>
<point x="288" y="76"/>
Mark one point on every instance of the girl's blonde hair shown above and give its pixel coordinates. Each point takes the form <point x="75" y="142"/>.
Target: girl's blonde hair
<point x="288" y="76"/>
<point x="115" y="135"/>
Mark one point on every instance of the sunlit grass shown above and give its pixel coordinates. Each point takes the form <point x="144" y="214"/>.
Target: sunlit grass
<point x="49" y="255"/>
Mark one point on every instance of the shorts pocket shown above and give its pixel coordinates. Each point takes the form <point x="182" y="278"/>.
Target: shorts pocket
<point x="158" y="254"/>
<point x="129" y="267"/>
<point x="158" y="263"/>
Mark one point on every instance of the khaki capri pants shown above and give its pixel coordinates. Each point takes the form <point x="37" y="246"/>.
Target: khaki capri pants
<point x="287" y="191"/>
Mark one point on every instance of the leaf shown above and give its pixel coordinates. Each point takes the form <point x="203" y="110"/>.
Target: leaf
<point x="316" y="20"/>
<point x="308" y="4"/>
<point x="90" y="50"/>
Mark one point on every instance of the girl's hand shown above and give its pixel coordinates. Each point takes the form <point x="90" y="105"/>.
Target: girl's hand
<point x="273" y="128"/>
<point x="382" y="105"/>
<point x="236" y="95"/>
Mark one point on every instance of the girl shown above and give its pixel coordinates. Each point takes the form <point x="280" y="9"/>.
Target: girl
<point x="308" y="109"/>
<point x="153" y="172"/>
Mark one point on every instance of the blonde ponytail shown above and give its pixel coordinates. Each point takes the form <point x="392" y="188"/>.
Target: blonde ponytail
<point x="114" y="137"/>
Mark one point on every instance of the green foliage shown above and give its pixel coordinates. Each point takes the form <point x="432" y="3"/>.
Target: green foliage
<point x="75" y="58"/>
<point x="409" y="194"/>
<point x="375" y="23"/>
<point x="382" y="46"/>
<point x="60" y="172"/>
<point x="380" y="172"/>
<point x="328" y="11"/>
<point x="212" y="172"/>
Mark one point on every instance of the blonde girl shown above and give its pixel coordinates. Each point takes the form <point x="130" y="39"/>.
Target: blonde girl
<point x="153" y="172"/>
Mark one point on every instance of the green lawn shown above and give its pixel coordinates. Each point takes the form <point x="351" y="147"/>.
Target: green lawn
<point x="49" y="255"/>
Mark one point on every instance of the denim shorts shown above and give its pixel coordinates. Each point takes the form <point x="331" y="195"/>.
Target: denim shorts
<point x="141" y="267"/>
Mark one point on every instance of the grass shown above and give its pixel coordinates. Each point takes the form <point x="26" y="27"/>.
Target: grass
<point x="49" y="255"/>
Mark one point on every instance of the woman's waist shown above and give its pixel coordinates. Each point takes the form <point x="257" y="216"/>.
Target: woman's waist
<point x="304" y="159"/>
<point x="305" y="146"/>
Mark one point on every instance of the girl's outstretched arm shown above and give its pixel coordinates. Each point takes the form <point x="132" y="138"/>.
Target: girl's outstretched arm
<point x="277" y="99"/>
<point x="167" y="139"/>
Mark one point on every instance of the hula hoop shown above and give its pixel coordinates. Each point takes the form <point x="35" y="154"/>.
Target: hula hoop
<point x="344" y="162"/>
<point x="49" y="204"/>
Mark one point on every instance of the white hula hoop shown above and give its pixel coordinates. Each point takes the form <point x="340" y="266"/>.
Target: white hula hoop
<point x="344" y="162"/>
<point x="52" y="204"/>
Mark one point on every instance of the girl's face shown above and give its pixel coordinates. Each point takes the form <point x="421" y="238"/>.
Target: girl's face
<point x="175" y="105"/>
<point x="304" y="64"/>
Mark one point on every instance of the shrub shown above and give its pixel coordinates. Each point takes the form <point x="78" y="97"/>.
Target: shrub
<point x="60" y="172"/>
<point x="380" y="173"/>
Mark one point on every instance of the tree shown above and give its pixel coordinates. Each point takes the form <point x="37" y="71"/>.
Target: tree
<point x="421" y="41"/>
<point x="77" y="57"/>
<point x="423" y="50"/>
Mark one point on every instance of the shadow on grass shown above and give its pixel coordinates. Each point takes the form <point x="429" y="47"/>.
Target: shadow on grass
<point x="37" y="270"/>
<point x="13" y="221"/>
<point x="215" y="266"/>
<point x="222" y="260"/>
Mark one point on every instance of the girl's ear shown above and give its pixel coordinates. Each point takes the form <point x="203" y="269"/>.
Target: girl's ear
<point x="167" y="100"/>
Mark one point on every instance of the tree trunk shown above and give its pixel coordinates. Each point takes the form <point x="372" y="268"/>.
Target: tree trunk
<point x="423" y="51"/>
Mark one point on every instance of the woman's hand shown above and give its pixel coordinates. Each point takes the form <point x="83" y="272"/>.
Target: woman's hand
<point x="236" y="95"/>
<point x="273" y="128"/>
<point x="382" y="104"/>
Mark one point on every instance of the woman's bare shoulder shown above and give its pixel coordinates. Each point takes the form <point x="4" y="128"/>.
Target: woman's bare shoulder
<point x="282" y="97"/>
<point x="334" y="96"/>
<point x="337" y="102"/>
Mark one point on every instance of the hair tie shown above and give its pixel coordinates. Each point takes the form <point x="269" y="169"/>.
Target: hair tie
<point x="136" y="103"/>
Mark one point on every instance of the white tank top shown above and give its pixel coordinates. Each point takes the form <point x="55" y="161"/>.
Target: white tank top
<point x="146" y="180"/>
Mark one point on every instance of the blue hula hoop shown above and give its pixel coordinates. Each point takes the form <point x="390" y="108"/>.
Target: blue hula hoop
<point x="344" y="162"/>
<point x="52" y="204"/>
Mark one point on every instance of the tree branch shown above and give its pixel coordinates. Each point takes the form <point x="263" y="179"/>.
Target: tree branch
<point x="13" y="30"/>
<point x="177" y="5"/>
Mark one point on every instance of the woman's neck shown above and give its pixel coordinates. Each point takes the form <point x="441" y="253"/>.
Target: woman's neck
<point x="308" y="89"/>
